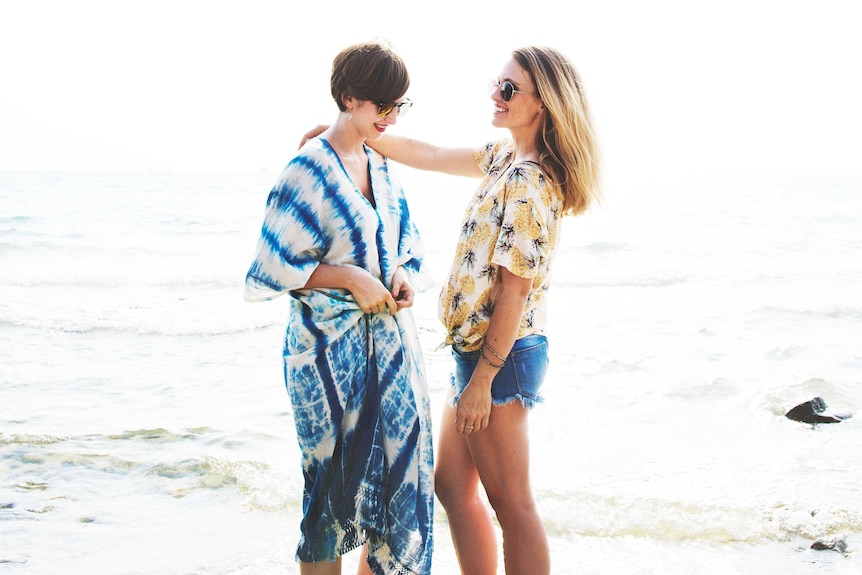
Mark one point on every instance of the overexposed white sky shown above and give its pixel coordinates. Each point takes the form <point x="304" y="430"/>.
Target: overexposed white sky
<point x="677" y="87"/>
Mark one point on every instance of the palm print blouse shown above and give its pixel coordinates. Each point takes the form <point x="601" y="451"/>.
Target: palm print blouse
<point x="511" y="221"/>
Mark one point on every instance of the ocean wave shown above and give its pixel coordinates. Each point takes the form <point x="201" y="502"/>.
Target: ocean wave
<point x="31" y="439"/>
<point x="32" y="247"/>
<point x="607" y="246"/>
<point x="108" y="326"/>
<point x="160" y="464"/>
<point x="21" y="242"/>
<point x="591" y="515"/>
<point x="786" y="352"/>
<point x="156" y="434"/>
<point x="138" y="311"/>
<point x="842" y="312"/>
<point x="16" y="219"/>
<point x="831" y="312"/>
<point x="839" y="397"/>
<point x="116" y="282"/>
<point x="717" y="389"/>
<point x="205" y="473"/>
<point x="642" y="281"/>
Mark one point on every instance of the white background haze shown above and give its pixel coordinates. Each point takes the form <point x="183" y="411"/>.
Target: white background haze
<point x="677" y="88"/>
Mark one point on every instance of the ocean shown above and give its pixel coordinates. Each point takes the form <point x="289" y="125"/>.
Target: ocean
<point x="145" y="428"/>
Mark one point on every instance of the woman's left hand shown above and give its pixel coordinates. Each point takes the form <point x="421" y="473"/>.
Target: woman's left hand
<point x="473" y="412"/>
<point x="402" y="291"/>
<point x="474" y="406"/>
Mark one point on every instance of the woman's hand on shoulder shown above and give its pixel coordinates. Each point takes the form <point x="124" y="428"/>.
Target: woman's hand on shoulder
<point x="313" y="133"/>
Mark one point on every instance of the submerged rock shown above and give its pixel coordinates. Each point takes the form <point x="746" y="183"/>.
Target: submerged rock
<point x="838" y="544"/>
<point x="814" y="411"/>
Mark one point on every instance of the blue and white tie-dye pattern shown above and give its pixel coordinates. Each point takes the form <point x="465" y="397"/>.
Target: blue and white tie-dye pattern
<point x="356" y="381"/>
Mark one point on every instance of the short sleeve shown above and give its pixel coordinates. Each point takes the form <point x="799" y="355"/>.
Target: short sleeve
<point x="524" y="241"/>
<point x="491" y="153"/>
<point x="411" y="250"/>
<point x="291" y="239"/>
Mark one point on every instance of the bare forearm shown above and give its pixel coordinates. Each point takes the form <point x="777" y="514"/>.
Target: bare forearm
<point x="504" y="324"/>
<point x="424" y="156"/>
<point x="368" y="291"/>
<point x="329" y="276"/>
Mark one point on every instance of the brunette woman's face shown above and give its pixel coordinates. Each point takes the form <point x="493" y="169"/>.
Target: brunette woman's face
<point x="367" y="116"/>
<point x="523" y="110"/>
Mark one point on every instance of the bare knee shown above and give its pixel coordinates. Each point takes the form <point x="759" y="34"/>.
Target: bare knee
<point x="455" y="492"/>
<point x="513" y="508"/>
<point x="447" y="491"/>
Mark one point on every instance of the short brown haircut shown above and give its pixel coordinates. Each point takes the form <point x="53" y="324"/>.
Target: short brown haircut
<point x="368" y="71"/>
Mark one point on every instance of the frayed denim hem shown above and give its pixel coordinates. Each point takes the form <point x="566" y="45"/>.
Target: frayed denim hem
<point x="520" y="378"/>
<point x="527" y="402"/>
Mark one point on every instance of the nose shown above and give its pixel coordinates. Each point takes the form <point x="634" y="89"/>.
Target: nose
<point x="392" y="117"/>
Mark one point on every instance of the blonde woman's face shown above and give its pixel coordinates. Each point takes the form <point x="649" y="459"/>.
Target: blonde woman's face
<point x="522" y="111"/>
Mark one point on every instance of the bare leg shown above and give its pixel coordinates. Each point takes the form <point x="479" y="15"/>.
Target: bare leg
<point x="502" y="458"/>
<point x="321" y="568"/>
<point x="457" y="488"/>
<point x="364" y="569"/>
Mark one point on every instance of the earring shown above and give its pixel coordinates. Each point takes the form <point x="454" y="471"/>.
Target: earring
<point x="349" y="115"/>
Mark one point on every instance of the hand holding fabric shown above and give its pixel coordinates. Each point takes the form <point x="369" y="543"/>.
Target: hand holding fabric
<point x="402" y="290"/>
<point x="370" y="294"/>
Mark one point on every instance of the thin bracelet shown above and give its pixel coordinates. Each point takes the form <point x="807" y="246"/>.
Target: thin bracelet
<point x="488" y="361"/>
<point x="491" y="349"/>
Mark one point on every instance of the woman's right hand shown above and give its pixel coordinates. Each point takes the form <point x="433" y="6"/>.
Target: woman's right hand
<point x="313" y="133"/>
<point x="370" y="294"/>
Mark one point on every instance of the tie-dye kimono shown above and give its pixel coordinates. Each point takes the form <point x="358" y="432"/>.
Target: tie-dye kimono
<point x="356" y="381"/>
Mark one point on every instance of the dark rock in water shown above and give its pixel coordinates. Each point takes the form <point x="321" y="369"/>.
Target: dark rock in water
<point x="838" y="544"/>
<point x="814" y="411"/>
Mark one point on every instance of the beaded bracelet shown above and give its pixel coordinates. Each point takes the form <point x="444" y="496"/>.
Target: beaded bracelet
<point x="488" y="361"/>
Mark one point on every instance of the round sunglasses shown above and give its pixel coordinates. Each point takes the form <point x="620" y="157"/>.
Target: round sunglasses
<point x="385" y="108"/>
<point x="507" y="89"/>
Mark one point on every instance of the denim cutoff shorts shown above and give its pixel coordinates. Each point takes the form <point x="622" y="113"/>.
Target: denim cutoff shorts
<point x="520" y="378"/>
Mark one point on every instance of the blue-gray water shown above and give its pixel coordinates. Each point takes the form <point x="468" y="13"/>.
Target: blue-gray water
<point x="144" y="426"/>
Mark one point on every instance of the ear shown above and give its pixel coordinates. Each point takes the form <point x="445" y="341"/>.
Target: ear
<point x="348" y="100"/>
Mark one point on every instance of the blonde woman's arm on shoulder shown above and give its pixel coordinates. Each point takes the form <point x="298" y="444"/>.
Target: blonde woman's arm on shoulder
<point x="424" y="156"/>
<point x="313" y="133"/>
<point x="417" y="154"/>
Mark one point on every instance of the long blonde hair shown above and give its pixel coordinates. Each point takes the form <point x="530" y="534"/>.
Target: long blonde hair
<point x="568" y="149"/>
